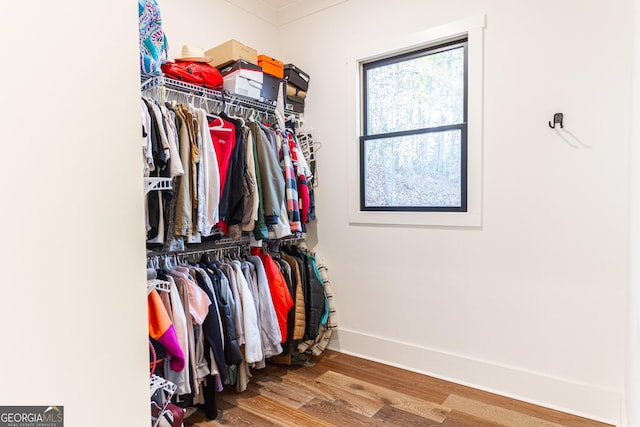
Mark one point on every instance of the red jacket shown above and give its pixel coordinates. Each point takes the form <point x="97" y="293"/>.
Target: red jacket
<point x="282" y="300"/>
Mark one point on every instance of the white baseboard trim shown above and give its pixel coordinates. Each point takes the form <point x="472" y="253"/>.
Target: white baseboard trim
<point x="583" y="400"/>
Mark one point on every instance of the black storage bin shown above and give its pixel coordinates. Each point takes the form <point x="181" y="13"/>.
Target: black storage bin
<point x="295" y="76"/>
<point x="270" y="85"/>
<point x="295" y="103"/>
<point x="237" y="65"/>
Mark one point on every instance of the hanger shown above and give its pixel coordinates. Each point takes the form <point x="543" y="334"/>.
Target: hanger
<point x="225" y="93"/>
<point x="170" y="261"/>
<point x="186" y="259"/>
<point x="219" y="126"/>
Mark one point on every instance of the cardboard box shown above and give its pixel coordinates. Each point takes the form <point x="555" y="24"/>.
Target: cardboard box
<point x="296" y="77"/>
<point x="230" y="51"/>
<point x="271" y="66"/>
<point x="241" y="85"/>
<point x="270" y="85"/>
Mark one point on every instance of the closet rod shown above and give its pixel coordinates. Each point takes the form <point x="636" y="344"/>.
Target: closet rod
<point x="218" y="244"/>
<point x="227" y="243"/>
<point x="228" y="107"/>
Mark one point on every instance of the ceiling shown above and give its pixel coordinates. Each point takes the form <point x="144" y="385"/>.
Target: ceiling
<point x="281" y="3"/>
<point x="280" y="12"/>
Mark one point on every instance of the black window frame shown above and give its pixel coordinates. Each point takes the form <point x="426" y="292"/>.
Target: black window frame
<point x="434" y="49"/>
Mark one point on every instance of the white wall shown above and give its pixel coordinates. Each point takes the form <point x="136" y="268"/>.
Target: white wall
<point x="633" y="333"/>
<point x="72" y="311"/>
<point x="533" y="303"/>
<point x="208" y="23"/>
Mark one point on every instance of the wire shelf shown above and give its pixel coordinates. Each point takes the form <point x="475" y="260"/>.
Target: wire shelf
<point x="158" y="383"/>
<point x="159" y="184"/>
<point x="152" y="82"/>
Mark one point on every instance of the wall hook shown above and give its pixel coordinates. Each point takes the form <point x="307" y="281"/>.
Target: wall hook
<point x="557" y="118"/>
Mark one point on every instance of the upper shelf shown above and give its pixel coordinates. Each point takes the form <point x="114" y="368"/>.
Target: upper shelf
<point x="150" y="82"/>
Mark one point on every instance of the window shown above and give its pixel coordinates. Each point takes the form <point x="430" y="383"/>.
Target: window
<point x="413" y="148"/>
<point x="390" y="141"/>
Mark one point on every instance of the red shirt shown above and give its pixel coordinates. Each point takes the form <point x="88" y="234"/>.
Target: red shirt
<point x="224" y="140"/>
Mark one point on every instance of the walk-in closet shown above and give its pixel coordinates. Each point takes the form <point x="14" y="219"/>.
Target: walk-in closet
<point x="229" y="185"/>
<point x="515" y="277"/>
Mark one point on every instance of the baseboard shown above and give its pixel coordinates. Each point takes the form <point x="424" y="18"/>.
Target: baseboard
<point x="578" y="399"/>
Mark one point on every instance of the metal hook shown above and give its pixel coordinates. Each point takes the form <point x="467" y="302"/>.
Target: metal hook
<point x="557" y="118"/>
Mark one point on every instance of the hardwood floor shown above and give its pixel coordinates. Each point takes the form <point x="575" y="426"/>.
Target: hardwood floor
<point x="342" y="390"/>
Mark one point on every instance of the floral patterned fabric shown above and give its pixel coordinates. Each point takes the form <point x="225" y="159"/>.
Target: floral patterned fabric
<point x="153" y="42"/>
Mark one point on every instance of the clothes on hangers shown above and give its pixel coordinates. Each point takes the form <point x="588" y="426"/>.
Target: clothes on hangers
<point x="161" y="329"/>
<point x="230" y="177"/>
<point x="280" y="294"/>
<point x="251" y="198"/>
<point x="231" y="315"/>
<point x="272" y="183"/>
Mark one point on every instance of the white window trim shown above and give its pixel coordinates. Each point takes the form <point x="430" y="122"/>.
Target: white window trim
<point x="473" y="28"/>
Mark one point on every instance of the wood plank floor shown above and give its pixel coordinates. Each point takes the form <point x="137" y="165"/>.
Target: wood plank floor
<point x="342" y="390"/>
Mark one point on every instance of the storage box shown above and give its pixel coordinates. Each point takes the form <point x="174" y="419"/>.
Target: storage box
<point x="270" y="85"/>
<point x="271" y="66"/>
<point x="294" y="91"/>
<point x="295" y="76"/>
<point x="240" y="85"/>
<point x="231" y="51"/>
<point x="244" y="69"/>
<point x="237" y="65"/>
<point x="295" y="103"/>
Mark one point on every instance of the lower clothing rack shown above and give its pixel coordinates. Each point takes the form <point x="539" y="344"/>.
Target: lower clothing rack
<point x="224" y="246"/>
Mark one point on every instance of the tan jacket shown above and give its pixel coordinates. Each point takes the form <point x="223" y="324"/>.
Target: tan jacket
<point x="300" y="316"/>
<point x="183" y="218"/>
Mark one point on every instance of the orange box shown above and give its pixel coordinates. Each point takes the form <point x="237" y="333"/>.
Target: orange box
<point x="271" y="66"/>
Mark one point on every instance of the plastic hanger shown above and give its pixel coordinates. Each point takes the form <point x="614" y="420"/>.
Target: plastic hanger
<point x="251" y="115"/>
<point x="220" y="126"/>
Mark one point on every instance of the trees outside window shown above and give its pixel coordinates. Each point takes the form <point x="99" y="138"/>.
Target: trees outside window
<point x="413" y="146"/>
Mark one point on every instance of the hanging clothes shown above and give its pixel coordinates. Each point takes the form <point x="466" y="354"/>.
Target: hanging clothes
<point x="253" y="338"/>
<point x="272" y="182"/>
<point x="291" y="184"/>
<point x="233" y="200"/>
<point x="300" y="312"/>
<point x="223" y="135"/>
<point x="267" y="320"/>
<point x="178" y="316"/>
<point x="251" y="198"/>
<point x="315" y="304"/>
<point x="161" y="329"/>
<point x="299" y="167"/>
<point x="280" y="296"/>
<point x="320" y="343"/>
<point x="211" y="177"/>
